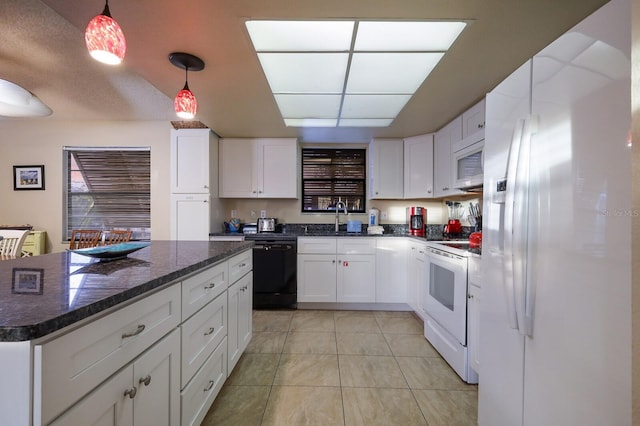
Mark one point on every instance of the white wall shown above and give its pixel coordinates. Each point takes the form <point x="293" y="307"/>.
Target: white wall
<point x="40" y="141"/>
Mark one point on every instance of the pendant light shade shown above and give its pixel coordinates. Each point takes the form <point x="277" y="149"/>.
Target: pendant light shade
<point x="104" y="38"/>
<point x="185" y="103"/>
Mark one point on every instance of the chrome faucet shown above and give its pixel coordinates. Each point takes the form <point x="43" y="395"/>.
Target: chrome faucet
<point x="340" y="205"/>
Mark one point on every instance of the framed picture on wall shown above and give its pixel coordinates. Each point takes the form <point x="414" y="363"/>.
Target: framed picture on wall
<point x="28" y="177"/>
<point x="27" y="281"/>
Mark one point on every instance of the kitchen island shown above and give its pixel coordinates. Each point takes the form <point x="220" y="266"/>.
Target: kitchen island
<point x="71" y="327"/>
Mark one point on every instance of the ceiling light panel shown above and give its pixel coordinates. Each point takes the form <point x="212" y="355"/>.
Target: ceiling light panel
<point x="310" y="122"/>
<point x="390" y="72"/>
<point x="299" y="36"/>
<point x="365" y="122"/>
<point x="305" y="72"/>
<point x="373" y="106"/>
<point x="308" y="106"/>
<point x="407" y="36"/>
<point x="321" y="77"/>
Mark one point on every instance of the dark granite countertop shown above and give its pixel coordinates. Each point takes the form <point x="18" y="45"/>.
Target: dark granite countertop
<point x="60" y="289"/>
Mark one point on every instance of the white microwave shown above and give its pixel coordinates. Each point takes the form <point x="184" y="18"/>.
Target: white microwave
<point x="468" y="162"/>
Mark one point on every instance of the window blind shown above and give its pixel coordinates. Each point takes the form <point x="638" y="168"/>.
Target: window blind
<point x="108" y="188"/>
<point x="332" y="175"/>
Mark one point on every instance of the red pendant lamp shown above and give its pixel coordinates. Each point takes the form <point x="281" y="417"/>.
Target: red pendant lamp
<point x="104" y="38"/>
<point x="185" y="103"/>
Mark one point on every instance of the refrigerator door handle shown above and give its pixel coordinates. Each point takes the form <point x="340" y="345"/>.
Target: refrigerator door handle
<point x="527" y="297"/>
<point x="508" y="272"/>
<point x="520" y="229"/>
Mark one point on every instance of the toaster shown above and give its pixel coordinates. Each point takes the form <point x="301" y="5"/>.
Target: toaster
<point x="267" y="224"/>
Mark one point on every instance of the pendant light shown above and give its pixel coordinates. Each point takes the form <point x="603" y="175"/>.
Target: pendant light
<point x="105" y="39"/>
<point x="185" y="103"/>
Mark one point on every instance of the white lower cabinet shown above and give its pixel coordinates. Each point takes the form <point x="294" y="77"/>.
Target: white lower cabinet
<point x="72" y="365"/>
<point x="158" y="361"/>
<point x="356" y="277"/>
<point x="473" y="306"/>
<point x="145" y="392"/>
<point x="336" y="269"/>
<point x="317" y="281"/>
<point x="240" y="300"/>
<point x="391" y="270"/>
<point x="198" y="396"/>
<point x="417" y="279"/>
<point x="473" y="330"/>
<point x="201" y="334"/>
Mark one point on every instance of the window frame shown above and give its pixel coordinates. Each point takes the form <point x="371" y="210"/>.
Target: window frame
<point x="362" y="196"/>
<point x="144" y="234"/>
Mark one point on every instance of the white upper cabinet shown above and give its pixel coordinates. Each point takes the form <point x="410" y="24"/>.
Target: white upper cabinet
<point x="258" y="168"/>
<point x="386" y="169"/>
<point x="418" y="166"/>
<point x="473" y="119"/>
<point x="443" y="141"/>
<point x="191" y="158"/>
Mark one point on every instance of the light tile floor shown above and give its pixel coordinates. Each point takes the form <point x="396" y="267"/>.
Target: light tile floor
<point x="312" y="367"/>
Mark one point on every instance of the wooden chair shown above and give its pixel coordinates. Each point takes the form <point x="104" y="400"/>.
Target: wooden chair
<point x="11" y="242"/>
<point x="83" y="238"/>
<point x="117" y="236"/>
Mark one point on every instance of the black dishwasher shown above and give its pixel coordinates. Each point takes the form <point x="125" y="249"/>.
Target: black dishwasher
<point x="275" y="282"/>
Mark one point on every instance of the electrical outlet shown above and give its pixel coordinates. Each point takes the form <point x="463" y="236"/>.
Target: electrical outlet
<point x="384" y="215"/>
<point x="253" y="213"/>
<point x="263" y="213"/>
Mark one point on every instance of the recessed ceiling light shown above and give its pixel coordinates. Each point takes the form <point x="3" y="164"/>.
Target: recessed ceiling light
<point x="348" y="73"/>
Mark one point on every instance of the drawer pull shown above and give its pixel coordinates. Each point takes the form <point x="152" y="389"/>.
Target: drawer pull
<point x="242" y="265"/>
<point x="139" y="330"/>
<point x="131" y="393"/>
<point x="209" y="386"/>
<point x="212" y="285"/>
<point x="209" y="331"/>
<point x="145" y="380"/>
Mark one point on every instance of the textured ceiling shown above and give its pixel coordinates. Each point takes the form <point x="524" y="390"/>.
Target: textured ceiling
<point x="43" y="50"/>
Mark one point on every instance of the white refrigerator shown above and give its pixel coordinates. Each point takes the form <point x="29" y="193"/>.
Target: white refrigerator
<point x="555" y="306"/>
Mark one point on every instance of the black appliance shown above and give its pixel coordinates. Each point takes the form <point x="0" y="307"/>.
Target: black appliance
<point x="275" y="282"/>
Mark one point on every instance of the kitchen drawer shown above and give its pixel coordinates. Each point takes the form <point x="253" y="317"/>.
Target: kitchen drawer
<point x="201" y="334"/>
<point x="197" y="397"/>
<point x="71" y="365"/>
<point x="356" y="245"/>
<point x="317" y="245"/>
<point x="239" y="265"/>
<point x="202" y="288"/>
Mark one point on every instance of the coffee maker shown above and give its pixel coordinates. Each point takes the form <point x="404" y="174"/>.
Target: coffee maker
<point x="417" y="221"/>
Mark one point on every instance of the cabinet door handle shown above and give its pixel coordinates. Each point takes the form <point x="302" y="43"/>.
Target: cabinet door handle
<point x="428" y="191"/>
<point x="145" y="380"/>
<point x="480" y="125"/>
<point x="139" y="330"/>
<point x="209" y="386"/>
<point x="333" y="261"/>
<point x="131" y="393"/>
<point x="207" y="287"/>
<point x="209" y="331"/>
<point x="242" y="265"/>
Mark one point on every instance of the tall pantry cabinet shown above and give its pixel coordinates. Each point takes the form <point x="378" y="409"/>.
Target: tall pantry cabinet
<point x="194" y="184"/>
